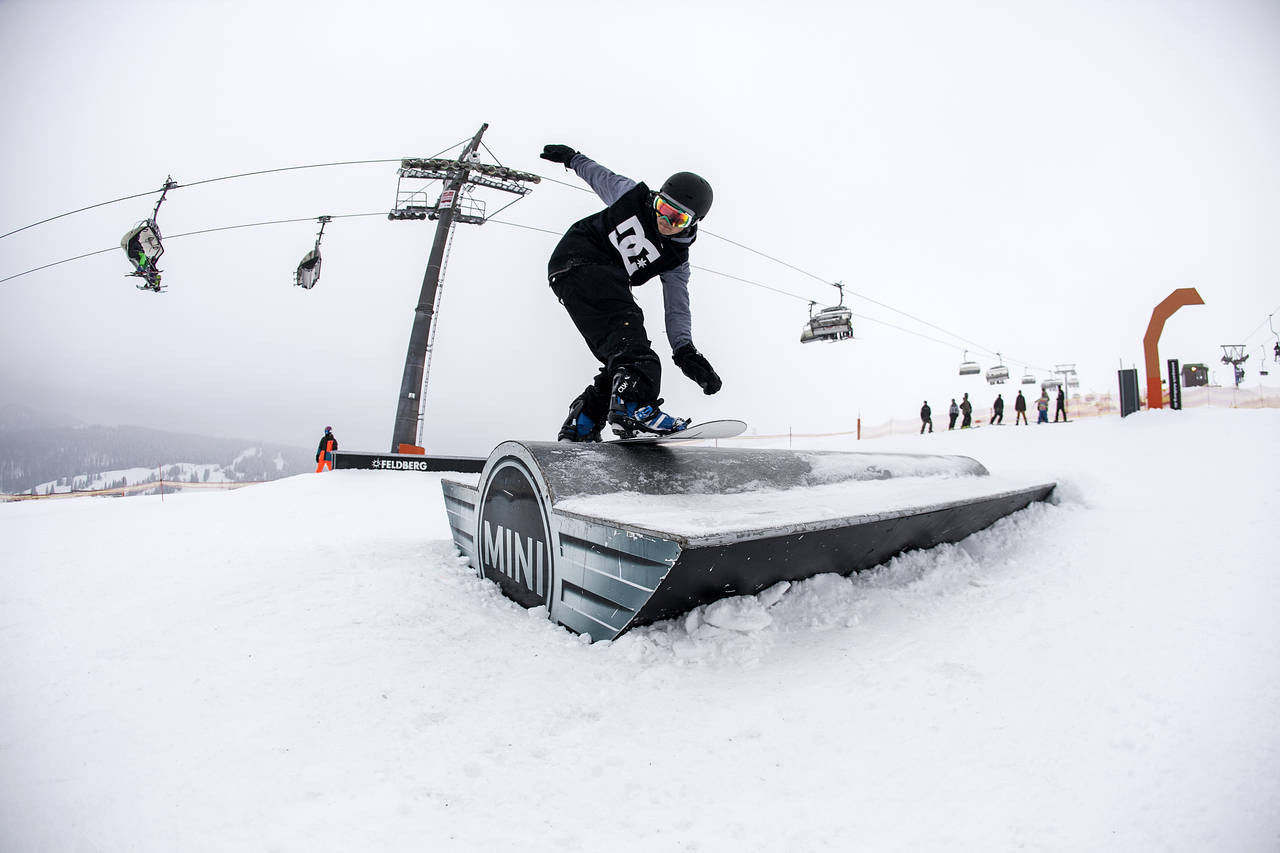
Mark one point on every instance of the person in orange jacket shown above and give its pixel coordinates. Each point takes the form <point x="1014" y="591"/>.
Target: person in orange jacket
<point x="324" y="453"/>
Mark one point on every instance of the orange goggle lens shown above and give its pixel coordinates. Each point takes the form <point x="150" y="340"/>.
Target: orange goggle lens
<point x="676" y="216"/>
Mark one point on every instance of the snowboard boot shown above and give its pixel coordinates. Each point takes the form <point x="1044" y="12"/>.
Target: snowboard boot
<point x="629" y="418"/>
<point x="580" y="426"/>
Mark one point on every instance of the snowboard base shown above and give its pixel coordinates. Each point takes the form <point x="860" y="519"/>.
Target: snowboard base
<point x="693" y="432"/>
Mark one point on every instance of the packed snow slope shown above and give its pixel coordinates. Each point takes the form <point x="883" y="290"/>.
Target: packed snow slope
<point x="307" y="666"/>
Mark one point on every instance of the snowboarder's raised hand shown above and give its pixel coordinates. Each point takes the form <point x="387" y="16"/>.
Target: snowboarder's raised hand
<point x="558" y="154"/>
<point x="696" y="367"/>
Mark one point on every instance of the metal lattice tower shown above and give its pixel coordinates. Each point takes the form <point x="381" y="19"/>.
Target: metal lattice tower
<point x="455" y="203"/>
<point x="1234" y="355"/>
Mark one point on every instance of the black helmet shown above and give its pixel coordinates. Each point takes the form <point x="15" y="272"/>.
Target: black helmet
<point x="689" y="191"/>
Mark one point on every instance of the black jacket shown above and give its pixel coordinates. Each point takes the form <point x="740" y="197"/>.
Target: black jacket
<point x="321" y="448"/>
<point x="624" y="234"/>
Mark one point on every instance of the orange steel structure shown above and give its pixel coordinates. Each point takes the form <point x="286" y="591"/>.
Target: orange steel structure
<point x="1150" y="342"/>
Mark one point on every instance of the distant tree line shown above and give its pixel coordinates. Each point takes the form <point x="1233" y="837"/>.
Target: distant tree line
<point x="29" y="457"/>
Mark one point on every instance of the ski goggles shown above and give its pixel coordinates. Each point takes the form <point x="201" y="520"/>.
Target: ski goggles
<point x="676" y="216"/>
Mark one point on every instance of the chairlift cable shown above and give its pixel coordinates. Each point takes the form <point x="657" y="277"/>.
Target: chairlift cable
<point x="815" y="278"/>
<point x="63" y="261"/>
<point x="1266" y="322"/>
<point x="776" y="290"/>
<point x="195" y="184"/>
<point x="577" y="187"/>
<point x="272" y="222"/>
<point x="526" y="227"/>
<point x="192" y="234"/>
<point x="288" y="169"/>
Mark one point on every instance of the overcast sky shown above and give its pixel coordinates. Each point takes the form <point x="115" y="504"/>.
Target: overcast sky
<point x="1022" y="178"/>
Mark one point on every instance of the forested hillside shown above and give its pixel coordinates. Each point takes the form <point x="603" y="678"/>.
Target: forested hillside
<point x="32" y="456"/>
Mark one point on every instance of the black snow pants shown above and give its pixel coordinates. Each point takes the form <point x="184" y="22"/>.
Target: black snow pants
<point x="599" y="301"/>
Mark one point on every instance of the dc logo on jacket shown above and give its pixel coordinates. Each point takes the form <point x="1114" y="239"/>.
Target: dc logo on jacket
<point x="636" y="250"/>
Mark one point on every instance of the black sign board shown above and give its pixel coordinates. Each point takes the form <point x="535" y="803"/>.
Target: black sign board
<point x="406" y="462"/>
<point x="1129" y="401"/>
<point x="1175" y="383"/>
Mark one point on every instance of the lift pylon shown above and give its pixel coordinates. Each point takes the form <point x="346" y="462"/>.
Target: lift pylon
<point x="453" y="204"/>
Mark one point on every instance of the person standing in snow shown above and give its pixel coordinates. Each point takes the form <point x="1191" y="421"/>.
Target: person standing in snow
<point x="641" y="234"/>
<point x="926" y="417"/>
<point x="324" y="452"/>
<point x="997" y="410"/>
<point x="953" y="413"/>
<point x="1020" y="409"/>
<point x="1042" y="407"/>
<point x="1062" y="406"/>
<point x="966" y="409"/>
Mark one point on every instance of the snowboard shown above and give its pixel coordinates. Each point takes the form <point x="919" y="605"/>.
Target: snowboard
<point x="704" y="430"/>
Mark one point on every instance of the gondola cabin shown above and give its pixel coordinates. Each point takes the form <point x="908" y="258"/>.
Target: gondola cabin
<point x="829" y="324"/>
<point x="308" y="272"/>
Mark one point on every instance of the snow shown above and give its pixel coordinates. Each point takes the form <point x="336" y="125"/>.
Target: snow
<point x="204" y="472"/>
<point x="306" y="665"/>
<point x="704" y="518"/>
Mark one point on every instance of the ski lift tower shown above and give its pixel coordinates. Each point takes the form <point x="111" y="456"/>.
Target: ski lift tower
<point x="1068" y="373"/>
<point x="1234" y="355"/>
<point x="454" y="204"/>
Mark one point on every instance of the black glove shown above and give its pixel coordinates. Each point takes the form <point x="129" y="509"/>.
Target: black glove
<point x="558" y="154"/>
<point x="696" y="367"/>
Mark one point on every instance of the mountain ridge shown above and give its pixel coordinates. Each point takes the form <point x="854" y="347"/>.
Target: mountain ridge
<point x="39" y="454"/>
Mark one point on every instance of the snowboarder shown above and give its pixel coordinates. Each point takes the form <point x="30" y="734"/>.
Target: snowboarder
<point x="1062" y="406"/>
<point x="966" y="409"/>
<point x="1042" y="408"/>
<point x="324" y="452"/>
<point x="926" y="417"/>
<point x="1020" y="409"/>
<point x="641" y="234"/>
<point x="953" y="412"/>
<point x="997" y="410"/>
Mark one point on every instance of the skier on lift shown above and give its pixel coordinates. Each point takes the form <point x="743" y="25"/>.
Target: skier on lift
<point x="640" y="234"/>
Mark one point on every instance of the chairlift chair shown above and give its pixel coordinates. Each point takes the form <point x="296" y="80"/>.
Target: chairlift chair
<point x="1028" y="378"/>
<point x="308" y="271"/>
<point x="143" y="247"/>
<point x="830" y="324"/>
<point x="998" y="374"/>
<point x="969" y="368"/>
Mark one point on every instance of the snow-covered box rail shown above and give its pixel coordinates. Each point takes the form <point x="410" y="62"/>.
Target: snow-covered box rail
<point x="608" y="537"/>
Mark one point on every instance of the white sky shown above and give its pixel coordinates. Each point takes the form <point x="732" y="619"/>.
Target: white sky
<point x="1032" y="178"/>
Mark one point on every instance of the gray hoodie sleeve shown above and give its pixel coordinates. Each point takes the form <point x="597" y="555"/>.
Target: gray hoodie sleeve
<point x="675" y="298"/>
<point x="610" y="186"/>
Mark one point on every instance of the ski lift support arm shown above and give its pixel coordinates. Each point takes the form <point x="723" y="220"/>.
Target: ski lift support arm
<point x="169" y="183"/>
